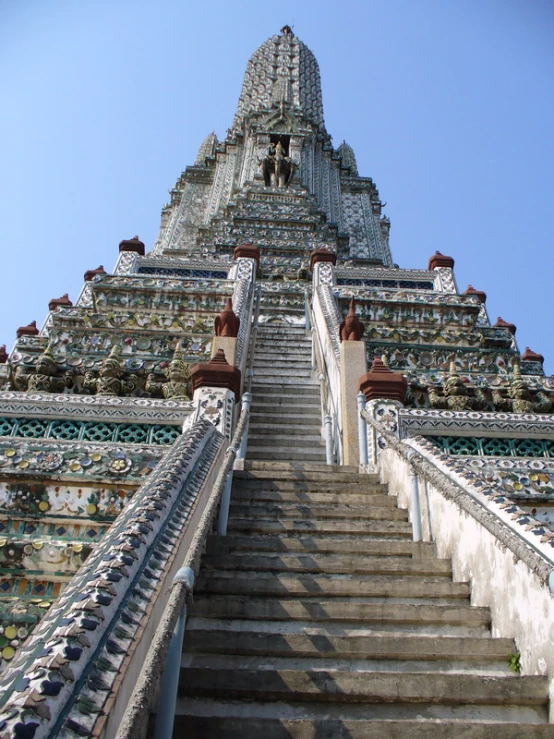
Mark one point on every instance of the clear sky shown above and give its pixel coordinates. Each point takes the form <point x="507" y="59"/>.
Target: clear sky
<point x="448" y="105"/>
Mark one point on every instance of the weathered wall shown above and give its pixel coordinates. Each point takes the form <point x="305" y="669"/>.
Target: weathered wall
<point x="521" y="606"/>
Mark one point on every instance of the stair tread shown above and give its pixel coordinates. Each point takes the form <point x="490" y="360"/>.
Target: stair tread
<point x="214" y="719"/>
<point x="335" y="609"/>
<point x="324" y="685"/>
<point x="328" y="563"/>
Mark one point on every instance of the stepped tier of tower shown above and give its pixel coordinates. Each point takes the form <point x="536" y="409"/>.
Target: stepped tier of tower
<point x="286" y="228"/>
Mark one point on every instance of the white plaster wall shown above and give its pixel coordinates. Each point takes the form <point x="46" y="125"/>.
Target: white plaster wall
<point x="521" y="606"/>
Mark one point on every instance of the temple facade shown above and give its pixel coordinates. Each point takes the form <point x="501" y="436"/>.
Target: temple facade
<point x="272" y="275"/>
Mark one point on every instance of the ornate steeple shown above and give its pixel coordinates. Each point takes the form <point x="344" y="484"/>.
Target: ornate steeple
<point x="278" y="141"/>
<point x="282" y="71"/>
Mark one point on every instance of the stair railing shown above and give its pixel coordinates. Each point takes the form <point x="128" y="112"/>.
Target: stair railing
<point x="424" y="470"/>
<point x="329" y="407"/>
<point x="167" y="645"/>
<point x="253" y="337"/>
<point x="163" y="660"/>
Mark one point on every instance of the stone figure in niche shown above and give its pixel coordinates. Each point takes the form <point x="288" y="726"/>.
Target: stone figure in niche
<point x="111" y="379"/>
<point x="351" y="329"/>
<point x="459" y="395"/>
<point x="455" y="392"/>
<point x="277" y="167"/>
<point x="521" y="399"/>
<point x="227" y="323"/>
<point x="176" y="385"/>
<point x="45" y="377"/>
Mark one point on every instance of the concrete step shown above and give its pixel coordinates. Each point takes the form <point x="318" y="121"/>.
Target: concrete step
<point x="284" y="333"/>
<point x="287" y="405"/>
<point x="262" y="428"/>
<point x="343" y="610"/>
<point x="278" y="360"/>
<point x="279" y="417"/>
<point x="297" y="342"/>
<point x="375" y="528"/>
<point x="316" y="511"/>
<point x="260" y="452"/>
<point x="302" y="352"/>
<point x="364" y="687"/>
<point x="257" y="495"/>
<point x="295" y="485"/>
<point x="287" y="438"/>
<point x="256" y="638"/>
<point x="278" y="366"/>
<point x="307" y="399"/>
<point x="203" y="718"/>
<point x="281" y="348"/>
<point x="282" y="374"/>
<point x="290" y="386"/>
<point x="308" y="471"/>
<point x="339" y="488"/>
<point x="309" y="543"/>
<point x="354" y="564"/>
<point x="320" y="585"/>
<point x="291" y="330"/>
<point x="297" y="309"/>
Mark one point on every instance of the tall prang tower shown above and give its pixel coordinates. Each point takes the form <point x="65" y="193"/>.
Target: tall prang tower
<point x="391" y="449"/>
<point x="276" y="180"/>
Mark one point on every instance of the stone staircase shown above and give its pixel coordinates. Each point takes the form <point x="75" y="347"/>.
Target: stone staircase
<point x="317" y="616"/>
<point x="286" y="418"/>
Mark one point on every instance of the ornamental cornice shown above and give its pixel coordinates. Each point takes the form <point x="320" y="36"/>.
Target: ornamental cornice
<point x="402" y="297"/>
<point x="83" y="461"/>
<point x="155" y="283"/>
<point x="183" y="263"/>
<point x="94" y="407"/>
<point x="418" y="421"/>
<point x="384" y="273"/>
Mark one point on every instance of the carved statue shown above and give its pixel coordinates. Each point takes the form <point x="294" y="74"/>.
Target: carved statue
<point x="351" y="329"/>
<point x="457" y="395"/>
<point x="522" y="398"/>
<point x="456" y="392"/>
<point x="109" y="380"/>
<point x="227" y="323"/>
<point x="277" y="167"/>
<point x="176" y="386"/>
<point x="46" y="377"/>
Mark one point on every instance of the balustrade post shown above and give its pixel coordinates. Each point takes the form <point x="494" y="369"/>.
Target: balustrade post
<point x="362" y="429"/>
<point x="169" y="682"/>
<point x="246" y="400"/>
<point x="415" y="506"/>
<point x="328" y="421"/>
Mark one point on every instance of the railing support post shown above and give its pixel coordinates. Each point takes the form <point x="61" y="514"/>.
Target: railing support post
<point x="362" y="429"/>
<point x="170" y="677"/>
<point x="328" y="421"/>
<point x="416" y="507"/>
<point x="224" y="506"/>
<point x="307" y="311"/>
<point x="246" y="400"/>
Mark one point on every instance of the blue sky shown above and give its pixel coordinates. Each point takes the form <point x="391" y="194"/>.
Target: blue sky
<point x="448" y="105"/>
